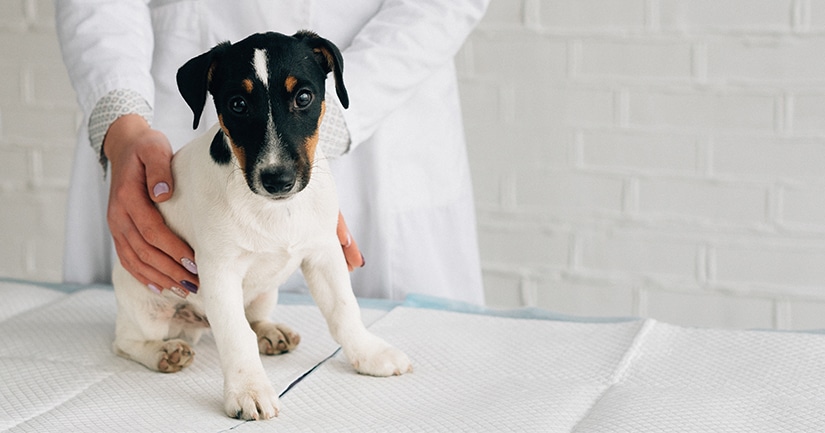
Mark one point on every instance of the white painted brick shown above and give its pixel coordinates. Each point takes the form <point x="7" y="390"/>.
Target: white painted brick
<point x="787" y="269"/>
<point x="14" y="166"/>
<point x="521" y="247"/>
<point x="637" y="58"/>
<point x="639" y="255"/>
<point x="593" y="15"/>
<point x="767" y="158"/>
<point x="56" y="165"/>
<point x="702" y="110"/>
<point x="808" y="113"/>
<point x="29" y="48"/>
<point x="502" y="290"/>
<point x="705" y="309"/>
<point x="487" y="182"/>
<point x="51" y="86"/>
<point x="530" y="57"/>
<point x="816" y="14"/>
<point x="725" y="15"/>
<point x="671" y="153"/>
<point x="519" y="146"/>
<point x="806" y="315"/>
<point x="18" y="216"/>
<point x="804" y="205"/>
<point x="38" y="123"/>
<point x="582" y="106"/>
<point x="14" y="15"/>
<point x="549" y="106"/>
<point x="10" y="85"/>
<point x="503" y="13"/>
<point x="555" y="191"/>
<point x="718" y="202"/>
<point x="586" y="299"/>
<point x="480" y="102"/>
<point x="786" y="60"/>
<point x="44" y="14"/>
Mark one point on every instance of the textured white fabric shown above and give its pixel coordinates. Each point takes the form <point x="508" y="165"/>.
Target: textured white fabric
<point x="109" y="108"/>
<point x="472" y="373"/>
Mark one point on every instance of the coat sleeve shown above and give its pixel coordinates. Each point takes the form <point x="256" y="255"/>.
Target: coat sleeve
<point x="397" y="50"/>
<point x="107" y="45"/>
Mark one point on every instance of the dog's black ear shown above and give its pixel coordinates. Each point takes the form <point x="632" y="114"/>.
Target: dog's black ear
<point x="193" y="79"/>
<point x="330" y="59"/>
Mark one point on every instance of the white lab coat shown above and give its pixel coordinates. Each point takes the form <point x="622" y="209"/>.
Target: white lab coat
<point x="404" y="187"/>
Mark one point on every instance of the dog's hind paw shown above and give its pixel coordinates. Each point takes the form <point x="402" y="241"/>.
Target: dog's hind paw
<point x="383" y="361"/>
<point x="274" y="338"/>
<point x="175" y="355"/>
<point x="255" y="401"/>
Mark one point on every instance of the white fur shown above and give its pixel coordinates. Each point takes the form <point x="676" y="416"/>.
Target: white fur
<point x="259" y="63"/>
<point x="246" y="246"/>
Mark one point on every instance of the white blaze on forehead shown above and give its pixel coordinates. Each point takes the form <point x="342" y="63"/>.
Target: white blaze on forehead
<point x="259" y="63"/>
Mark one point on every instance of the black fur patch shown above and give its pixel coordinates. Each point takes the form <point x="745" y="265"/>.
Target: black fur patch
<point x="219" y="150"/>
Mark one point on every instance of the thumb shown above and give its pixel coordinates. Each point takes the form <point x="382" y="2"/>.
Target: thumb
<point x="157" y="161"/>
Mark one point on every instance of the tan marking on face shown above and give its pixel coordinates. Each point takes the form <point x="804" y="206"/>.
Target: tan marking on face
<point x="247" y="85"/>
<point x="327" y="55"/>
<point x="240" y="155"/>
<point x="290" y="83"/>
<point x="311" y="142"/>
<point x="210" y="72"/>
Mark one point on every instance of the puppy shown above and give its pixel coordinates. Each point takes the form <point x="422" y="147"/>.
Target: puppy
<point x="255" y="199"/>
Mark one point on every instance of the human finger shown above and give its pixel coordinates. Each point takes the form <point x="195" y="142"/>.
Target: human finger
<point x="353" y="255"/>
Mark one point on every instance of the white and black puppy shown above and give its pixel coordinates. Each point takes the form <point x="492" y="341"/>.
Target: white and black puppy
<point x="255" y="199"/>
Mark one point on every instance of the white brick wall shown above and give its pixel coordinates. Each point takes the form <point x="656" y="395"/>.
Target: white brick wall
<point x="661" y="158"/>
<point x="673" y="151"/>
<point x="38" y="124"/>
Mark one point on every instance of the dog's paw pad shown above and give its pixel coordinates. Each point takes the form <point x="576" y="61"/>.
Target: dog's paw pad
<point x="274" y="339"/>
<point x="258" y="402"/>
<point x="387" y="361"/>
<point x="175" y="355"/>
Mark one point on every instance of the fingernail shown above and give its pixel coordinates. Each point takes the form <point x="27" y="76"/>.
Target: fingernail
<point x="189" y="265"/>
<point x="363" y="262"/>
<point x="178" y="291"/>
<point x="188" y="285"/>
<point x="160" y="189"/>
<point x="155" y="289"/>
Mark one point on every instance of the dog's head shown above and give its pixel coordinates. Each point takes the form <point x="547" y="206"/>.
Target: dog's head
<point x="268" y="91"/>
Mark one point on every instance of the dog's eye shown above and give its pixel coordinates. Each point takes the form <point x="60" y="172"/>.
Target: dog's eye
<point x="238" y="105"/>
<point x="303" y="99"/>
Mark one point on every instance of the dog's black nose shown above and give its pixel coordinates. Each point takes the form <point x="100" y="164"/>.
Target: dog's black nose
<point x="277" y="180"/>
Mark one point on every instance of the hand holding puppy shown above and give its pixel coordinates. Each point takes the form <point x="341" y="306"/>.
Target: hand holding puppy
<point x="140" y="159"/>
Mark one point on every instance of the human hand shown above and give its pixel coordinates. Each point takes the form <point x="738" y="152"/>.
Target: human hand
<point x="351" y="252"/>
<point x="141" y="175"/>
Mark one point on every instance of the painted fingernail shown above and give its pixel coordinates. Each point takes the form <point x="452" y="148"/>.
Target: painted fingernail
<point x="363" y="262"/>
<point x="188" y="285"/>
<point x="160" y="189"/>
<point x="155" y="289"/>
<point x="178" y="291"/>
<point x="189" y="265"/>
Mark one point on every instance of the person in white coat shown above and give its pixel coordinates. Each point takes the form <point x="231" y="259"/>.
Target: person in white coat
<point x="403" y="179"/>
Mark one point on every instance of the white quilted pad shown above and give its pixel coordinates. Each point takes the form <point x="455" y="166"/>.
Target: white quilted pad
<point x="472" y="373"/>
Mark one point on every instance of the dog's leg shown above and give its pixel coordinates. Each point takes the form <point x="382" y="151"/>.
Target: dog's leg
<point x="142" y="327"/>
<point x="248" y="393"/>
<point x="273" y="338"/>
<point x="329" y="284"/>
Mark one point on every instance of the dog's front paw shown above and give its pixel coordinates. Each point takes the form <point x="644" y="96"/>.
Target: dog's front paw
<point x="381" y="360"/>
<point x="254" y="400"/>
<point x="274" y="338"/>
<point x="174" y="356"/>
